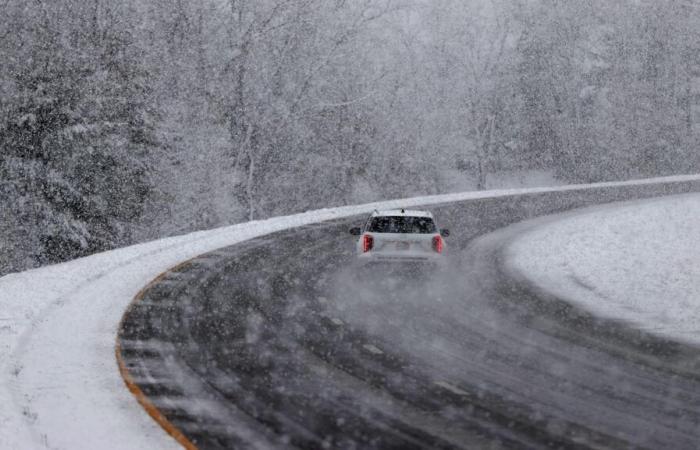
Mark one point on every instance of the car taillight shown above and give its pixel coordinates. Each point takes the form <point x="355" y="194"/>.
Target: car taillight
<point x="437" y="244"/>
<point x="367" y="243"/>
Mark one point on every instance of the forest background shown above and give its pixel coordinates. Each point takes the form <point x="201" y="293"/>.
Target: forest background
<point x="126" y="121"/>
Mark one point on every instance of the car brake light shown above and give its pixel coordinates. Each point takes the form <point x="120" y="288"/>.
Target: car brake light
<point x="367" y="243"/>
<point x="437" y="244"/>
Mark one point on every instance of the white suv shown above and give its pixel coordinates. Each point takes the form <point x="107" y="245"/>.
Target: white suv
<point x="400" y="236"/>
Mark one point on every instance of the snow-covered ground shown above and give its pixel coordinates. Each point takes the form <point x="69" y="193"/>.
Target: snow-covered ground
<point x="59" y="382"/>
<point x="638" y="262"/>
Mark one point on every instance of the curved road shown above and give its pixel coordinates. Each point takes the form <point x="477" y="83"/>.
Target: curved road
<point x="277" y="343"/>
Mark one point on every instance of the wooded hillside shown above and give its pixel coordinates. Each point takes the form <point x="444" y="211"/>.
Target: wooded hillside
<point x="126" y="121"/>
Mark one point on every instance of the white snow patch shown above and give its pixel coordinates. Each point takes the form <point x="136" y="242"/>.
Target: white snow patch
<point x="638" y="262"/>
<point x="60" y="387"/>
<point x="373" y="349"/>
<point x="452" y="388"/>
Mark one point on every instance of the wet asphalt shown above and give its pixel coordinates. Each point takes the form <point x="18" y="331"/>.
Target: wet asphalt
<point x="281" y="342"/>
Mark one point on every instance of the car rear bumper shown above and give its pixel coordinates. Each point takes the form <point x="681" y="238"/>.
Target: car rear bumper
<point x="400" y="258"/>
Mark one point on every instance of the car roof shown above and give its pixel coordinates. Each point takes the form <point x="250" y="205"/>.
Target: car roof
<point x="402" y="212"/>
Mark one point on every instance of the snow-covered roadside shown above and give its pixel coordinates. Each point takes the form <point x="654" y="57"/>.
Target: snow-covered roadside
<point x="59" y="382"/>
<point x="637" y="261"/>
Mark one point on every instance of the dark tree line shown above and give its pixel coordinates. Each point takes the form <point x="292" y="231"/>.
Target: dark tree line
<point x="76" y="131"/>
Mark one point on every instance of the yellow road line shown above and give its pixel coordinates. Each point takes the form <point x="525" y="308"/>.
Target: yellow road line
<point x="142" y="398"/>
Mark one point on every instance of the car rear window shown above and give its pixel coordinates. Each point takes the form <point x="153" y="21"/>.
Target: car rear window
<point x="402" y="224"/>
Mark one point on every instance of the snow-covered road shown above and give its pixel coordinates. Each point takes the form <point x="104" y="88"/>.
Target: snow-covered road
<point x="638" y="262"/>
<point x="59" y="382"/>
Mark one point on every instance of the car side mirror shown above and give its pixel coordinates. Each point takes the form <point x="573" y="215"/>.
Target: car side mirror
<point x="444" y="232"/>
<point x="356" y="231"/>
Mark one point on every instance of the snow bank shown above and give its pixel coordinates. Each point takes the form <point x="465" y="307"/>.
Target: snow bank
<point x="59" y="382"/>
<point x="638" y="262"/>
